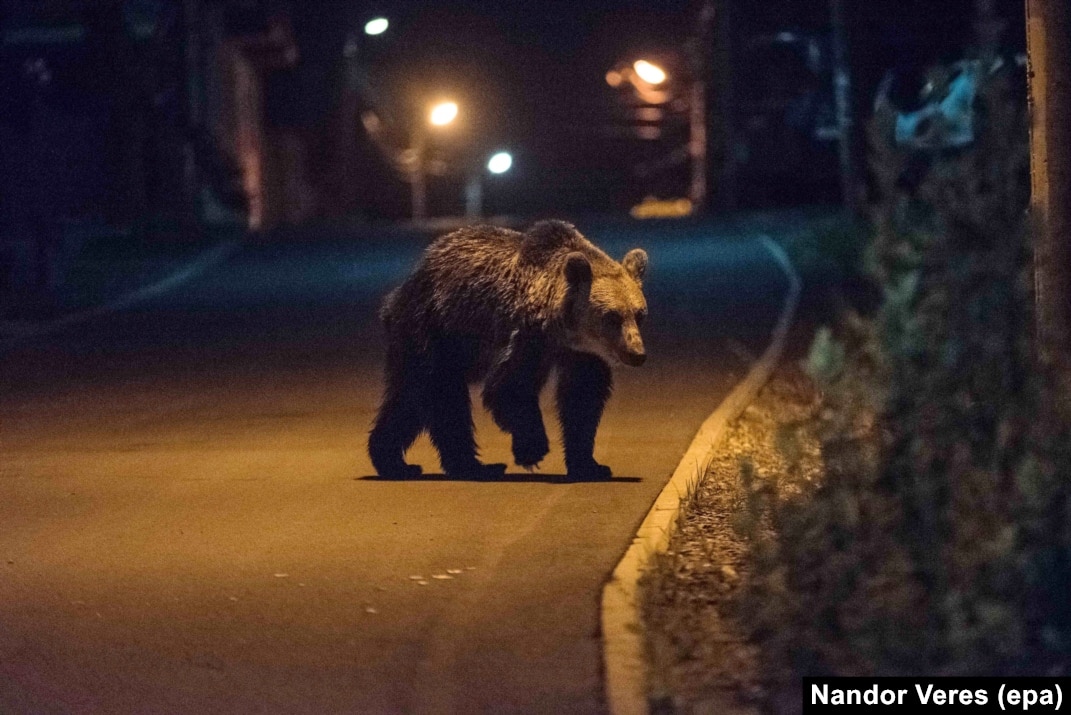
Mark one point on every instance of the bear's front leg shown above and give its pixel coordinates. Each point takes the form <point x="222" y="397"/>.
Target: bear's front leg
<point x="511" y="395"/>
<point x="515" y="410"/>
<point x="584" y="386"/>
<point x="529" y="448"/>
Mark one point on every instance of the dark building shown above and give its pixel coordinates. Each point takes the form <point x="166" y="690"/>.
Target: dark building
<point x="142" y="115"/>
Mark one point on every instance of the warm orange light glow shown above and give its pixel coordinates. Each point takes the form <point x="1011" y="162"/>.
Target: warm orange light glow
<point x="649" y="73"/>
<point x="443" y="113"/>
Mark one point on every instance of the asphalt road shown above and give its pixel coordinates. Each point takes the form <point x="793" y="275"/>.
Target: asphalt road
<point x="189" y="522"/>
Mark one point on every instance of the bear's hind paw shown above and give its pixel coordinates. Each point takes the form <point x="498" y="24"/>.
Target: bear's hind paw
<point x="404" y="471"/>
<point x="592" y="472"/>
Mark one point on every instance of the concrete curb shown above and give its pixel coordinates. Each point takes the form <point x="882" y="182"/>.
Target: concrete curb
<point x="12" y="332"/>
<point x="623" y="649"/>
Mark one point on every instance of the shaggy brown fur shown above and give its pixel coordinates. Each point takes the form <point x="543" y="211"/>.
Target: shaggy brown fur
<point x="496" y="306"/>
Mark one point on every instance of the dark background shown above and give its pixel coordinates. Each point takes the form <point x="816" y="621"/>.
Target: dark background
<point x="106" y="132"/>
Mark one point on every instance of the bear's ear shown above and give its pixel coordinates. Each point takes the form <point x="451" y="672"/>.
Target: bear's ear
<point x="635" y="263"/>
<point x="577" y="269"/>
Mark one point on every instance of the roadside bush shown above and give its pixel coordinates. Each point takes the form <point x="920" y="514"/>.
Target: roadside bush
<point x="939" y="541"/>
<point x="830" y="257"/>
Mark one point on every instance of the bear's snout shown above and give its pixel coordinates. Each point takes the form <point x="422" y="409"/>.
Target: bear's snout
<point x="634" y="354"/>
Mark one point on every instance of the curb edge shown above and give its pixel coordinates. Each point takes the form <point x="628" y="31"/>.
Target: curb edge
<point x="621" y="620"/>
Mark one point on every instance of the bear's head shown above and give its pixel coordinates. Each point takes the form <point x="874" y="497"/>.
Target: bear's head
<point x="605" y="306"/>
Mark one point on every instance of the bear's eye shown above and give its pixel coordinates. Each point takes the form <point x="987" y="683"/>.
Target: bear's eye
<point x="641" y="315"/>
<point x="613" y="320"/>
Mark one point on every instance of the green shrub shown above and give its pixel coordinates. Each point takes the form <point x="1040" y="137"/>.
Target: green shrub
<point x="832" y="248"/>
<point x="939" y="541"/>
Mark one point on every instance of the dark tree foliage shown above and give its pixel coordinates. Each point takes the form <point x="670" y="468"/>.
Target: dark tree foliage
<point x="939" y="541"/>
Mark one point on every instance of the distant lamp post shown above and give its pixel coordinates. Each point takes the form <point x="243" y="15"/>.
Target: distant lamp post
<point x="440" y="115"/>
<point x="443" y="113"/>
<point x="498" y="164"/>
<point x="373" y="28"/>
<point x="356" y="96"/>
<point x="646" y="78"/>
<point x="648" y="72"/>
<point x="376" y="26"/>
<point x="657" y="91"/>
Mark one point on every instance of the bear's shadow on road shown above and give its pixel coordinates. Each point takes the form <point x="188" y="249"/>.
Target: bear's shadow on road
<point x="508" y="477"/>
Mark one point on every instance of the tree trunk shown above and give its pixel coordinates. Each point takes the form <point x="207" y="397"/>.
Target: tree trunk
<point x="1048" y="32"/>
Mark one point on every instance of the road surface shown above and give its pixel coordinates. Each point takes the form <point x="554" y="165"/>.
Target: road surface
<point x="189" y="522"/>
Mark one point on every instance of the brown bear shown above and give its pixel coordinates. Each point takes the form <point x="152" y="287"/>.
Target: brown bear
<point x="496" y="306"/>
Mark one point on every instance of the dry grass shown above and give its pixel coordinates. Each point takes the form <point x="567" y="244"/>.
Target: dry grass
<point x="701" y="660"/>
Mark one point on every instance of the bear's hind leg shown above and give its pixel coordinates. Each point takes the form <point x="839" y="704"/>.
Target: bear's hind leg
<point x="584" y="386"/>
<point x="451" y="429"/>
<point x="397" y="426"/>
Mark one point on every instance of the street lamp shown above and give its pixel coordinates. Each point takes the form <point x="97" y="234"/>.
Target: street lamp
<point x="440" y="115"/>
<point x="373" y="28"/>
<point x="649" y="72"/>
<point x="376" y="26"/>
<point x="656" y="88"/>
<point x="499" y="163"/>
<point x="646" y="79"/>
<point x="356" y="90"/>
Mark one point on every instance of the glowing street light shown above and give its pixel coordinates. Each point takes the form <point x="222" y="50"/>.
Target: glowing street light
<point x="443" y="113"/>
<point x="649" y="73"/>
<point x="376" y="26"/>
<point x="500" y="162"/>
<point x="649" y="81"/>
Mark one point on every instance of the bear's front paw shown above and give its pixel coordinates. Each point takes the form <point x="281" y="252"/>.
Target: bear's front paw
<point x="589" y="472"/>
<point x="530" y="449"/>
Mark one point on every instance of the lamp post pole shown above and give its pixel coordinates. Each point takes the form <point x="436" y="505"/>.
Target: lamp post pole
<point x="441" y="115"/>
<point x="474" y="195"/>
<point x="697" y="144"/>
<point x="418" y="179"/>
<point x="499" y="163"/>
